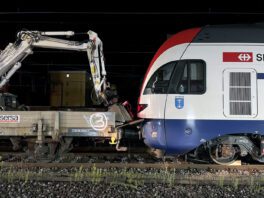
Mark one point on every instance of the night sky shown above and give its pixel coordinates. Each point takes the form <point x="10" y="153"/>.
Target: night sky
<point x="131" y="33"/>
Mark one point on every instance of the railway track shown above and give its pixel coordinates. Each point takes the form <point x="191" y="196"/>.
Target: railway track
<point x="135" y="166"/>
<point x="135" y="173"/>
<point x="136" y="155"/>
<point x="157" y="165"/>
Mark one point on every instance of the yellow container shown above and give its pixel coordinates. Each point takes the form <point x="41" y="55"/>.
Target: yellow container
<point x="68" y="88"/>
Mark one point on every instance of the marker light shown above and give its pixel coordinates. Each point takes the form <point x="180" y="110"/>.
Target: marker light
<point x="141" y="107"/>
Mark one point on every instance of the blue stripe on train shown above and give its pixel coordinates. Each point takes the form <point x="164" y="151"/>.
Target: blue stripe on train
<point x="181" y="136"/>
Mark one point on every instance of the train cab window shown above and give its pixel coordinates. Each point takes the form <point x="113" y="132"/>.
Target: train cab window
<point x="188" y="77"/>
<point x="159" y="81"/>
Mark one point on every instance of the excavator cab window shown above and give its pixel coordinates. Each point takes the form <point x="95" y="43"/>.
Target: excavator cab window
<point x="10" y="101"/>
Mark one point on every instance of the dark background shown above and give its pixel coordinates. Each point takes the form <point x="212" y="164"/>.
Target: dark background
<point x="131" y="31"/>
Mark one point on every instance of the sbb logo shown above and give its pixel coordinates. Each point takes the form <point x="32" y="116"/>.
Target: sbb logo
<point x="237" y="57"/>
<point x="244" y="57"/>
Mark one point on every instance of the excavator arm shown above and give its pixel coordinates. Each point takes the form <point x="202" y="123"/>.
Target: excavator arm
<point x="12" y="56"/>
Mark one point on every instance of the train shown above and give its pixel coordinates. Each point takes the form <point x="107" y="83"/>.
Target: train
<point x="202" y="94"/>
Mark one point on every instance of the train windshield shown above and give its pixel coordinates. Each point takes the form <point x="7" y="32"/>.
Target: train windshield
<point x="178" y="77"/>
<point x="159" y="81"/>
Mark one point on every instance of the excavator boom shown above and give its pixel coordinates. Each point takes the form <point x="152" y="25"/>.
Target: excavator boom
<point x="12" y="56"/>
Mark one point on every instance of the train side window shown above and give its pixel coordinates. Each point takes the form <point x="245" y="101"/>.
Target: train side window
<point x="159" y="81"/>
<point x="188" y="78"/>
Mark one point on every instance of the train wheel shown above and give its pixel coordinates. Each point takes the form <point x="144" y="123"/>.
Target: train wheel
<point x="65" y="145"/>
<point x="224" y="154"/>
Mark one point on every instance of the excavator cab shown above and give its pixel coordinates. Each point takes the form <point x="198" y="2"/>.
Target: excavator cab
<point x="9" y="102"/>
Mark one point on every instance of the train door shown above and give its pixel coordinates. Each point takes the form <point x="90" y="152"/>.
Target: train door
<point x="184" y="102"/>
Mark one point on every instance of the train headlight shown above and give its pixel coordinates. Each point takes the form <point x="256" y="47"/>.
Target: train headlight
<point x="154" y="134"/>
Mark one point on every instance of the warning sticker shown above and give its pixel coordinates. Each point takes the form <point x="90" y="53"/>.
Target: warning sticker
<point x="9" y="118"/>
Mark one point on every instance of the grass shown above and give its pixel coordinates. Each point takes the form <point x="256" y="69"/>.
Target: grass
<point x="131" y="178"/>
<point x="221" y="181"/>
<point x="236" y="183"/>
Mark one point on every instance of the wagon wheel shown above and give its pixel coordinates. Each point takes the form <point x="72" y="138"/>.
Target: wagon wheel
<point x="223" y="154"/>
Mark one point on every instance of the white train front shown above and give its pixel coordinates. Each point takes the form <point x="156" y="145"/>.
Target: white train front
<point x="204" y="91"/>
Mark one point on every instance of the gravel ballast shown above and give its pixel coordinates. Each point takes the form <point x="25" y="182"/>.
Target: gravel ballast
<point x="21" y="189"/>
<point x="133" y="182"/>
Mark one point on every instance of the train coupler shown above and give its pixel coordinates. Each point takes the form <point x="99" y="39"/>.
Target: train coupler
<point x="119" y="137"/>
